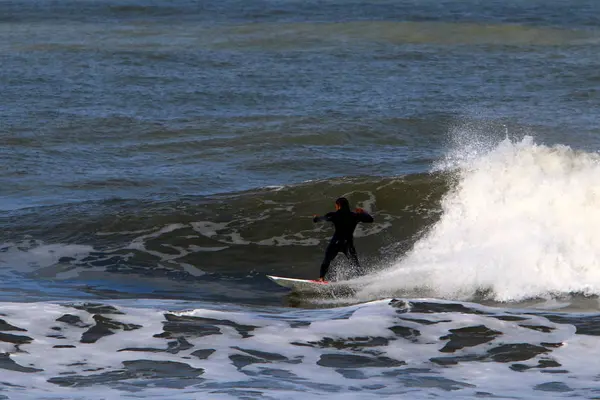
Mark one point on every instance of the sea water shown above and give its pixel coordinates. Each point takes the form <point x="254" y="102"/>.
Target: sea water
<point x="158" y="159"/>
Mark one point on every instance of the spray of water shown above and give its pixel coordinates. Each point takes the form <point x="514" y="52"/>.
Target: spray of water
<point x="523" y="221"/>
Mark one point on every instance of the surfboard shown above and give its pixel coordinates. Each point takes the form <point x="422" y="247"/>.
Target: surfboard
<point x="298" y="284"/>
<point x="307" y="285"/>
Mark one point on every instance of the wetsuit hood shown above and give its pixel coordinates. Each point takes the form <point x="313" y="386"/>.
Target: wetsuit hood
<point x="343" y="203"/>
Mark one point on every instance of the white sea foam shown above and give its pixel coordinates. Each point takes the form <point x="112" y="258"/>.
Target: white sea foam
<point x="286" y="369"/>
<point x="522" y="222"/>
<point x="60" y="260"/>
<point x="33" y="255"/>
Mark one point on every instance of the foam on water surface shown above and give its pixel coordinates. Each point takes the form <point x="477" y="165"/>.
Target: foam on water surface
<point x="379" y="349"/>
<point x="521" y="222"/>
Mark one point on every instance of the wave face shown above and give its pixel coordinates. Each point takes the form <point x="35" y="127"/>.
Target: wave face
<point x="208" y="240"/>
<point x="520" y="223"/>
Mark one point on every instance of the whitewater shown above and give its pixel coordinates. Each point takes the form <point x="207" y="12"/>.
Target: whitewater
<point x="521" y="223"/>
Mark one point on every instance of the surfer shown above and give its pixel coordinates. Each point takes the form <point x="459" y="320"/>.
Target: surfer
<point x="345" y="222"/>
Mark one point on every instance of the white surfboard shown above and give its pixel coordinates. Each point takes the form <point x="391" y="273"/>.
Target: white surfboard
<point x="306" y="285"/>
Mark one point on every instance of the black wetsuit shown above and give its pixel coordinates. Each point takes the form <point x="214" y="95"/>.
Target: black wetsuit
<point x="345" y="222"/>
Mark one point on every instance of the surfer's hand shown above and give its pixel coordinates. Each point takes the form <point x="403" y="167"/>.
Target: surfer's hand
<point x="359" y="210"/>
<point x="315" y="218"/>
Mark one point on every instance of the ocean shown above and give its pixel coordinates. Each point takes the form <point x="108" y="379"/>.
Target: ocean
<point x="159" y="158"/>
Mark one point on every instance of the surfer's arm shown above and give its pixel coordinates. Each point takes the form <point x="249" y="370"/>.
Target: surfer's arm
<point x="322" y="218"/>
<point x="363" y="216"/>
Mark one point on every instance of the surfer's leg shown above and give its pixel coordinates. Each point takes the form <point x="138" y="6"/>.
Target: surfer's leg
<point x="350" y="252"/>
<point x="330" y="254"/>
